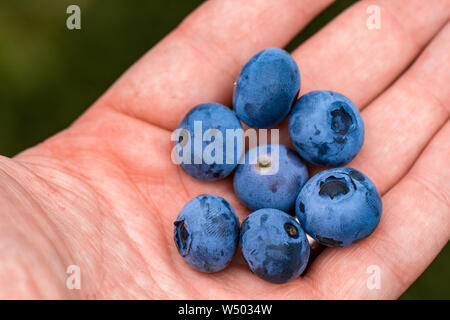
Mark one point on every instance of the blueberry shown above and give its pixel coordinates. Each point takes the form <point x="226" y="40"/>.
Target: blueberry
<point x="202" y="139"/>
<point x="206" y="233"/>
<point x="266" y="88"/>
<point x="326" y="128"/>
<point x="338" y="207"/>
<point x="272" y="180"/>
<point x="274" y="245"/>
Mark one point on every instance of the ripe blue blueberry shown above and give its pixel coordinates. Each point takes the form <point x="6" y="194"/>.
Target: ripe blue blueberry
<point x="202" y="139"/>
<point x="326" y="128"/>
<point x="206" y="233"/>
<point x="266" y="88"/>
<point x="339" y="207"/>
<point x="270" y="177"/>
<point x="274" y="245"/>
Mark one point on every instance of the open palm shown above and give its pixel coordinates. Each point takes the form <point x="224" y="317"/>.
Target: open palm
<point x="103" y="194"/>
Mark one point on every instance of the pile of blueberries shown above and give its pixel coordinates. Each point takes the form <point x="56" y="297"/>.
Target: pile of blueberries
<point x="336" y="207"/>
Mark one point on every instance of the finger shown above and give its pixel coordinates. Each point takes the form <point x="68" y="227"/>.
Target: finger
<point x="200" y="59"/>
<point x="402" y="120"/>
<point x="348" y="57"/>
<point x="414" y="227"/>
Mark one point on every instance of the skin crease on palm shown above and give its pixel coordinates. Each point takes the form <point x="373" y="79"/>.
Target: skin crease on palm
<point x="103" y="194"/>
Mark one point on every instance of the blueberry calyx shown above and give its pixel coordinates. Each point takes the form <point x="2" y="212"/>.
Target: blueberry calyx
<point x="264" y="163"/>
<point x="291" y="230"/>
<point x="333" y="187"/>
<point x="183" y="137"/>
<point x="341" y="120"/>
<point x="301" y="206"/>
<point x="182" y="237"/>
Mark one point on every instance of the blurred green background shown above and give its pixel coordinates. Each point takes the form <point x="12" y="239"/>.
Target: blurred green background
<point x="49" y="75"/>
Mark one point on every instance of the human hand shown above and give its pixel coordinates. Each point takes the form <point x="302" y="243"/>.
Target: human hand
<point x="103" y="194"/>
